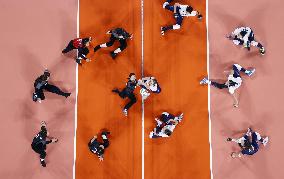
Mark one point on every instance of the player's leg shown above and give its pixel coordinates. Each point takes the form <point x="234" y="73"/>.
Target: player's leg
<point x="56" y="90"/>
<point x="177" y="26"/>
<point x="238" y="68"/>
<point x="107" y="44"/>
<point x="105" y="139"/>
<point x="206" y="81"/>
<point x="259" y="46"/>
<point x="39" y="94"/>
<point x="167" y="6"/>
<point x="42" y="158"/>
<point x="257" y="137"/>
<point x="82" y="54"/>
<point x="130" y="103"/>
<point x="69" y="47"/>
<point x="123" y="45"/>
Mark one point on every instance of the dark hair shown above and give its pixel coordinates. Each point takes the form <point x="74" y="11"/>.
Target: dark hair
<point x="131" y="74"/>
<point x="189" y="9"/>
<point x="168" y="132"/>
<point x="85" y="40"/>
<point x="43" y="131"/>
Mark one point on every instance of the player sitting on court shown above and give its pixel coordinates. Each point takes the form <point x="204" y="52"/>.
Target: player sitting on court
<point x="40" y="141"/>
<point x="128" y="92"/>
<point x="116" y="34"/>
<point x="148" y="84"/>
<point x="82" y="45"/>
<point x="233" y="82"/>
<point x="165" y="125"/>
<point x="248" y="143"/>
<point x="180" y="11"/>
<point x="41" y="83"/>
<point x="244" y="36"/>
<point x="97" y="147"/>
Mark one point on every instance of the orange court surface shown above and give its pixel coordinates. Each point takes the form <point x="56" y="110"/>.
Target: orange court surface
<point x="33" y="35"/>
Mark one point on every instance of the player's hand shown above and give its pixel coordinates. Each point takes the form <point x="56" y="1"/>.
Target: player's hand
<point x="131" y="36"/>
<point x="88" y="60"/>
<point x="54" y="140"/>
<point x="101" y="159"/>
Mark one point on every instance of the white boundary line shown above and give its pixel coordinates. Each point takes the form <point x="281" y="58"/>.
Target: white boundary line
<point x="208" y="73"/>
<point x="142" y="74"/>
<point x="76" y="107"/>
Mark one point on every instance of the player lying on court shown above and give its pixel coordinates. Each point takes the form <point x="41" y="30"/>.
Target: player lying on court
<point x="244" y="36"/>
<point x="233" y="82"/>
<point x="98" y="147"/>
<point x="40" y="141"/>
<point x="81" y="44"/>
<point x="41" y="83"/>
<point x="148" y="84"/>
<point x="180" y="11"/>
<point x="128" y="92"/>
<point x="249" y="143"/>
<point x="165" y="125"/>
<point x="116" y="34"/>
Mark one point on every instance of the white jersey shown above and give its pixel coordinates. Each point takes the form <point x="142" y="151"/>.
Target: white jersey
<point x="237" y="32"/>
<point x="147" y="82"/>
<point x="184" y="13"/>
<point x="237" y="81"/>
<point x="166" y="127"/>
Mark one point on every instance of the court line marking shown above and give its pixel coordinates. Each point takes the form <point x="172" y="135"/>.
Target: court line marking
<point x="209" y="101"/>
<point x="76" y="100"/>
<point x="142" y="75"/>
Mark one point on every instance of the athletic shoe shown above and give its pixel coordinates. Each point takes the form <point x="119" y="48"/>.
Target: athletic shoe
<point x="42" y="162"/>
<point x="204" y="81"/>
<point x="262" y="51"/>
<point x="97" y="48"/>
<point x="67" y="95"/>
<point x="250" y="72"/>
<point x="229" y="139"/>
<point x="179" y="118"/>
<point x="113" y="55"/>
<point x="162" y="31"/>
<point x="78" y="61"/>
<point x="265" y="141"/>
<point x="125" y="112"/>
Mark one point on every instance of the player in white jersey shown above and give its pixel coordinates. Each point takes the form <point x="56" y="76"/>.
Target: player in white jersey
<point x="180" y="11"/>
<point x="244" y="36"/>
<point x="165" y="125"/>
<point x="148" y="84"/>
<point x="233" y="82"/>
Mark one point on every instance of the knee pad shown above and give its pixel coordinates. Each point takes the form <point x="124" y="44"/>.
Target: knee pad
<point x="165" y="4"/>
<point x="175" y="27"/>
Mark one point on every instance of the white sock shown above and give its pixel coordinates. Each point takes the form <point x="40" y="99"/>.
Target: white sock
<point x="103" y="45"/>
<point x="117" y="50"/>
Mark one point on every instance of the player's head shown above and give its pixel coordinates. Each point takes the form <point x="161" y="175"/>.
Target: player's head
<point x="168" y="132"/>
<point x="86" y="41"/>
<point x="43" y="131"/>
<point x="189" y="9"/>
<point x="46" y="75"/>
<point x="132" y="77"/>
<point x="243" y="33"/>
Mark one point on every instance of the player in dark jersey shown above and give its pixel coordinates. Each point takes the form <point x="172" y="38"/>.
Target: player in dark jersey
<point x="249" y="143"/>
<point x="98" y="147"/>
<point x="180" y="11"/>
<point x="128" y="91"/>
<point x="41" y="83"/>
<point x="116" y="34"/>
<point x="40" y="141"/>
<point x="82" y="45"/>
